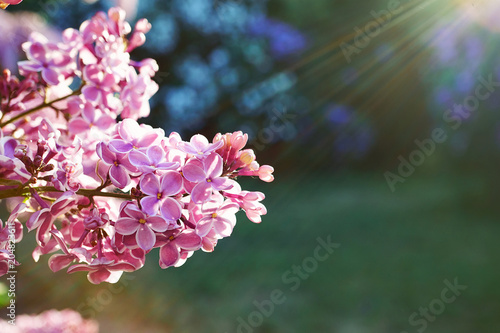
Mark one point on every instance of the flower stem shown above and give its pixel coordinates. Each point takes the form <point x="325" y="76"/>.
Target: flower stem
<point x="89" y="193"/>
<point x="39" y="107"/>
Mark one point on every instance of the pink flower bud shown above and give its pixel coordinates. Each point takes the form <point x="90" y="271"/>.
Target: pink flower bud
<point x="265" y="173"/>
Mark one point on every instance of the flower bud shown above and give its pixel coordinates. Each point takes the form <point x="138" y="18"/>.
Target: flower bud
<point x="95" y="220"/>
<point x="247" y="156"/>
<point x="265" y="173"/>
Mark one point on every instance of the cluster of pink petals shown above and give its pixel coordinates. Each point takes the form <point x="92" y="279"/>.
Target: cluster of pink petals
<point x="51" y="321"/>
<point x="100" y="193"/>
<point x="5" y="3"/>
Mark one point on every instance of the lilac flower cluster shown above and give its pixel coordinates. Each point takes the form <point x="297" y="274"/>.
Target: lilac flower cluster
<point x="51" y="321"/>
<point x="101" y="193"/>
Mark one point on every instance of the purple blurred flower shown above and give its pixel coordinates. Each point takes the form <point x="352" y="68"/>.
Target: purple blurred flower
<point x="136" y="94"/>
<point x="90" y="117"/>
<point x="15" y="32"/>
<point x="99" y="86"/>
<point x="285" y="40"/>
<point x="51" y="321"/>
<point x="54" y="63"/>
<point x="339" y="114"/>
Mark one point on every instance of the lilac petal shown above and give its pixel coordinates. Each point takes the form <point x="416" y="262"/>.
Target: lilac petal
<point x="145" y="237"/>
<point x="78" y="125"/>
<point x="98" y="276"/>
<point x="155" y="154"/>
<point x="139" y="159"/>
<point x="171" y="209"/>
<point x="187" y="148"/>
<point x="91" y="93"/>
<point x="123" y="160"/>
<point x="201" y="192"/>
<point x="126" y="226"/>
<point x="109" y="80"/>
<point x="37" y="218"/>
<point x="188" y="240"/>
<point x="88" y="113"/>
<point x="66" y="199"/>
<point x="213" y="165"/>
<point x="79" y="268"/>
<point x="37" y="51"/>
<point x="119" y="176"/>
<point x="123" y="266"/>
<point x="60" y="261"/>
<point x="222" y="183"/>
<point x="254" y="216"/>
<point x="169" y="255"/>
<point x="171" y="183"/>
<point x="147" y="139"/>
<point x="150" y="184"/>
<point x="138" y="253"/>
<point x="229" y="208"/>
<point x="207" y="244"/>
<point x="150" y="205"/>
<point x="19" y="232"/>
<point x="129" y="241"/>
<point x="204" y="226"/>
<point x="133" y="211"/>
<point x="157" y="223"/>
<point x="111" y="101"/>
<point x="105" y="154"/>
<point x="120" y="146"/>
<point x="9" y="147"/>
<point x="104" y="122"/>
<point x="223" y="227"/>
<point x="115" y="276"/>
<point x="193" y="173"/>
<point x="129" y="129"/>
<point x="17" y="210"/>
<point x="167" y="165"/>
<point x="29" y="66"/>
<point x="199" y="142"/>
<point x="43" y="232"/>
<point x="52" y="77"/>
<point x="214" y="146"/>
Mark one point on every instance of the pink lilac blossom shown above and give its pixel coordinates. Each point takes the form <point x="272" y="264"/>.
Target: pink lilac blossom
<point x="102" y="193"/>
<point x="158" y="194"/>
<point x="5" y="3"/>
<point x="207" y="176"/>
<point x="54" y="62"/>
<point x="51" y="321"/>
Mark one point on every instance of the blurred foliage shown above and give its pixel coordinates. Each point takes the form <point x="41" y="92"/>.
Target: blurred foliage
<point x="4" y="295"/>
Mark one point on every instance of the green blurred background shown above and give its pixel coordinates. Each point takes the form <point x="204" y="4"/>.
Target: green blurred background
<point x="350" y="124"/>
